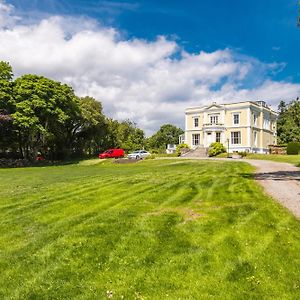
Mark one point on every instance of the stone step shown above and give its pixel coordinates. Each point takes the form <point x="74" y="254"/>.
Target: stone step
<point x="198" y="152"/>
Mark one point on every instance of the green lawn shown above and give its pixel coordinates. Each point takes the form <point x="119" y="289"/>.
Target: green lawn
<point x="157" y="229"/>
<point x="292" y="159"/>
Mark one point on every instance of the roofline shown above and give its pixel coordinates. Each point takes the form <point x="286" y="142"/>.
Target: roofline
<point x="226" y="104"/>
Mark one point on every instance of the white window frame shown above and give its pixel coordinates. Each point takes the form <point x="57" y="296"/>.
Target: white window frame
<point x="255" y="138"/>
<point x="196" y="122"/>
<point x="196" y="137"/>
<point x="255" y="117"/>
<point x="218" y="139"/>
<point x="233" y="118"/>
<point x="214" y="119"/>
<point x="236" y="140"/>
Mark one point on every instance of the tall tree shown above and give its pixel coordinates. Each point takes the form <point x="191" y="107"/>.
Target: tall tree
<point x="167" y="134"/>
<point x="46" y="113"/>
<point x="288" y="124"/>
<point x="92" y="128"/>
<point x="6" y="88"/>
<point x="7" y="106"/>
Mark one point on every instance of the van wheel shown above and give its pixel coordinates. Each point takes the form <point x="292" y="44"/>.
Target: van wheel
<point x="137" y="157"/>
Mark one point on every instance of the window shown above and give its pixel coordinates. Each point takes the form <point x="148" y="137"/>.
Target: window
<point x="266" y="124"/>
<point x="236" y="137"/>
<point x="196" y="122"/>
<point x="196" y="139"/>
<point x="236" y="119"/>
<point x="255" y="138"/>
<point x="214" y="119"/>
<point x="218" y="137"/>
<point x="255" y="120"/>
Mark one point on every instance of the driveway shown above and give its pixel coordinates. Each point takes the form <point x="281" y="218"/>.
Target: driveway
<point x="281" y="181"/>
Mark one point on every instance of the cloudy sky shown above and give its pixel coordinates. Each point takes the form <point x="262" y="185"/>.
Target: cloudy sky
<point x="148" y="60"/>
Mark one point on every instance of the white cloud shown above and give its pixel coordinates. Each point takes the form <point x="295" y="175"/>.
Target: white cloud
<point x="150" y="82"/>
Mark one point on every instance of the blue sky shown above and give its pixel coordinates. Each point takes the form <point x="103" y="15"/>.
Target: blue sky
<point x="201" y="50"/>
<point x="264" y="29"/>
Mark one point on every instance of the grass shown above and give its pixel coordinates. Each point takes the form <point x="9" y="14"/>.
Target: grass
<point x="157" y="229"/>
<point x="292" y="159"/>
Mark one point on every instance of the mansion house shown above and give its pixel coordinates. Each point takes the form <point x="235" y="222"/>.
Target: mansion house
<point x="242" y="126"/>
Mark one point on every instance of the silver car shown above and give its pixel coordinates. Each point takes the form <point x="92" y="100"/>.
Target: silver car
<point x="138" y="154"/>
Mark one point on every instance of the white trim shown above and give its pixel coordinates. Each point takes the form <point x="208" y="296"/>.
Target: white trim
<point x="249" y="128"/>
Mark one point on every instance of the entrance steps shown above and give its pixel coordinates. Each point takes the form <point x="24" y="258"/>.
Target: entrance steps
<point x="197" y="152"/>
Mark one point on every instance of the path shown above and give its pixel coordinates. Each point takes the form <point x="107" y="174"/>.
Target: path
<point x="281" y="181"/>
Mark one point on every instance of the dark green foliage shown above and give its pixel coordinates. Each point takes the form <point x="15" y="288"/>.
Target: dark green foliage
<point x="216" y="148"/>
<point x="167" y="134"/>
<point x="288" y="124"/>
<point x="293" y="148"/>
<point x="40" y="115"/>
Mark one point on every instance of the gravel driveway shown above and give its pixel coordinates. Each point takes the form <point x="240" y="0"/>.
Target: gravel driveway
<point x="281" y="181"/>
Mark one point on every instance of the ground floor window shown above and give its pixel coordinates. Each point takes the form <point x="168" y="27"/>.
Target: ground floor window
<point x="236" y="137"/>
<point x="218" y="137"/>
<point x="255" y="138"/>
<point x="196" y="139"/>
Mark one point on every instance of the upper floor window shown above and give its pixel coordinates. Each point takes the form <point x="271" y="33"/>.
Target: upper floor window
<point x="196" y="122"/>
<point x="266" y="124"/>
<point x="236" y="137"/>
<point x="255" y="120"/>
<point x="236" y="119"/>
<point x="214" y="119"/>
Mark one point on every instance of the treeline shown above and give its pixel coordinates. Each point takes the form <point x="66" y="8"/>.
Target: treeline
<point x="288" y="123"/>
<point x="40" y="115"/>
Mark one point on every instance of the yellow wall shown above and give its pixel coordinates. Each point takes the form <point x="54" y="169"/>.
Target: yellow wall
<point x="246" y="111"/>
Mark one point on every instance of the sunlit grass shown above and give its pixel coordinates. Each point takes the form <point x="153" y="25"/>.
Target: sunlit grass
<point x="157" y="229"/>
<point x="292" y="159"/>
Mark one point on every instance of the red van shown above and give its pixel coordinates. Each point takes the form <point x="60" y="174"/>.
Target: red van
<point x="112" y="153"/>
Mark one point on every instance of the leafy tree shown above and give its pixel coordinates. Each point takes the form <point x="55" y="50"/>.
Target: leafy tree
<point x="91" y="128"/>
<point x="124" y="135"/>
<point x="288" y="124"/>
<point x="46" y="114"/>
<point x="6" y="88"/>
<point x="7" y="140"/>
<point x="167" y="134"/>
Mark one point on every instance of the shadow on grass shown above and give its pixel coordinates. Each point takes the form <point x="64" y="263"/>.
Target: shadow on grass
<point x="23" y="163"/>
<point x="277" y="176"/>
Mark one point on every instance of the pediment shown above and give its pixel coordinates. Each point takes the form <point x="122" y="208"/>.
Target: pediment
<point x="213" y="107"/>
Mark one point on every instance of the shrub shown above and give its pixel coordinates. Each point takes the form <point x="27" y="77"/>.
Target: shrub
<point x="242" y="153"/>
<point x="181" y="146"/>
<point x="293" y="148"/>
<point x="216" y="148"/>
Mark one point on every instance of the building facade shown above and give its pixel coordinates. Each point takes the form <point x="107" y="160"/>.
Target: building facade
<point x="243" y="126"/>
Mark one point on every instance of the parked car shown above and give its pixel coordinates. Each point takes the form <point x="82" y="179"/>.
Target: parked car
<point x="112" y="153"/>
<point x="138" y="154"/>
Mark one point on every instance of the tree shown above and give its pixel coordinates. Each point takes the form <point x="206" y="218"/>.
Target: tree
<point x="45" y="116"/>
<point x="7" y="106"/>
<point x="288" y="124"/>
<point x="167" y="134"/>
<point x="92" y="128"/>
<point x="6" y="88"/>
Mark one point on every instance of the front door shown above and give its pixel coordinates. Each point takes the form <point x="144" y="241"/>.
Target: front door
<point x="209" y="139"/>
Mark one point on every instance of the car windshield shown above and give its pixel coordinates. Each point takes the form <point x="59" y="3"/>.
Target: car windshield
<point x="136" y="152"/>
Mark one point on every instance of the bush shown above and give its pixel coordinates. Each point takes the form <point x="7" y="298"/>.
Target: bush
<point x="216" y="148"/>
<point x="181" y="146"/>
<point x="293" y="148"/>
<point x="242" y="153"/>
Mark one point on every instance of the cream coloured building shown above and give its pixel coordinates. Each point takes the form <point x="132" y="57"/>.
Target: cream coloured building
<point x="243" y="126"/>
